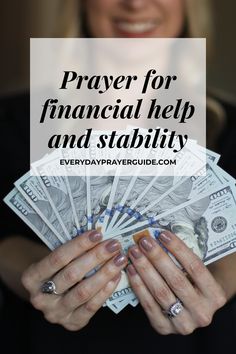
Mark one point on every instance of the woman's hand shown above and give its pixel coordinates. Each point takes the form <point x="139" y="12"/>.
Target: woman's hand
<point x="67" y="266"/>
<point x="159" y="283"/>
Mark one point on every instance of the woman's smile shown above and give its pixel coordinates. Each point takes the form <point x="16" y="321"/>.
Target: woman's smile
<point x="136" y="28"/>
<point x="134" y="19"/>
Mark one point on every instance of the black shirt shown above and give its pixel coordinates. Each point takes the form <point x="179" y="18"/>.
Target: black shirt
<point x="24" y="330"/>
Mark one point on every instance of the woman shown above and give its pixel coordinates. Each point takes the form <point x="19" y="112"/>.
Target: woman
<point x="85" y="326"/>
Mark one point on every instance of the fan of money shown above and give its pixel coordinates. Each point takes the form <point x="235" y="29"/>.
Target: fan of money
<point x="200" y="209"/>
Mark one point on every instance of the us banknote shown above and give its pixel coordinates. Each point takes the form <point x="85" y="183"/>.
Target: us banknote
<point x="155" y="202"/>
<point x="23" y="209"/>
<point x="55" y="188"/>
<point x="30" y="188"/>
<point x="207" y="225"/>
<point x="199" y="208"/>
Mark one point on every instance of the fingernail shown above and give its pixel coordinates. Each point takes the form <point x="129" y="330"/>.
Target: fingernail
<point x="120" y="260"/>
<point x="113" y="246"/>
<point x="135" y="252"/>
<point x="95" y="236"/>
<point x="166" y="238"/>
<point x="131" y="270"/>
<point x="146" y="244"/>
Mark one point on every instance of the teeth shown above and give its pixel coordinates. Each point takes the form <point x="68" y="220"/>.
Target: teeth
<point x="136" y="27"/>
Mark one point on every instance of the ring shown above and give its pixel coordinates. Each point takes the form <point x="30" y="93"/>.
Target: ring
<point x="49" y="287"/>
<point x="175" y="309"/>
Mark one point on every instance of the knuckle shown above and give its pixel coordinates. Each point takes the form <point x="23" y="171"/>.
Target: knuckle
<point x="148" y="306"/>
<point x="157" y="252"/>
<point x="204" y="319"/>
<point x="143" y="265"/>
<point x="179" y="246"/>
<point x="82" y="293"/>
<point x="81" y="243"/>
<point x="73" y="327"/>
<point x="162" y="329"/>
<point x="70" y="275"/>
<point x="197" y="267"/>
<point x="136" y="284"/>
<point x="220" y="299"/>
<point x="186" y="328"/>
<point x="90" y="307"/>
<point x="26" y="278"/>
<point x="109" y="271"/>
<point x="162" y="293"/>
<point x="57" y="258"/>
<point x="37" y="301"/>
<point x="51" y="317"/>
<point x="178" y="281"/>
<point x="108" y="289"/>
<point x="99" y="255"/>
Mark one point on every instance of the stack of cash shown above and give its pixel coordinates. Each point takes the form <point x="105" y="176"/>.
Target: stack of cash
<point x="200" y="209"/>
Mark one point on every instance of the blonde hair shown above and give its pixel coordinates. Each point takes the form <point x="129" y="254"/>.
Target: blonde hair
<point x="199" y="18"/>
<point x="200" y="22"/>
<point x="67" y="15"/>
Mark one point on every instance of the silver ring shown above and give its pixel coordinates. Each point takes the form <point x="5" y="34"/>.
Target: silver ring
<point x="175" y="309"/>
<point x="49" y="287"/>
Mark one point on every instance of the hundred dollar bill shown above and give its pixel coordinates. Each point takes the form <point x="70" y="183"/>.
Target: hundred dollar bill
<point x="75" y="179"/>
<point x="120" y="184"/>
<point x="77" y="190"/>
<point x="125" y="186"/>
<point x="141" y="187"/>
<point x="32" y="191"/>
<point x="122" y="190"/>
<point x="88" y="203"/>
<point x="24" y="210"/>
<point x="146" y="189"/>
<point x="100" y="188"/>
<point x="207" y="224"/>
<point x="55" y="188"/>
<point x="152" y="204"/>
<point x="118" y="305"/>
<point x="106" y="216"/>
<point x="121" y="296"/>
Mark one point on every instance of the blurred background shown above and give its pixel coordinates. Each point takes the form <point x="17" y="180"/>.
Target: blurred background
<point x="23" y="19"/>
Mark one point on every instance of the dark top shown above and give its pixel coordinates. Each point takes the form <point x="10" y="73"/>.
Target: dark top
<point x="24" y="330"/>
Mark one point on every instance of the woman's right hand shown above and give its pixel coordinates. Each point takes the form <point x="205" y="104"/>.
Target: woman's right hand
<point x="67" y="266"/>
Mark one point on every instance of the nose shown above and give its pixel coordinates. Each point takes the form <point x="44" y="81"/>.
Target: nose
<point x="135" y="4"/>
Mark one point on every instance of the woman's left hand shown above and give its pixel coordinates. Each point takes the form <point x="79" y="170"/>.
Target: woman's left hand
<point x="159" y="283"/>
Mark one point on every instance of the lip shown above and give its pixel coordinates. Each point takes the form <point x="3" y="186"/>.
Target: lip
<point x="137" y="28"/>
